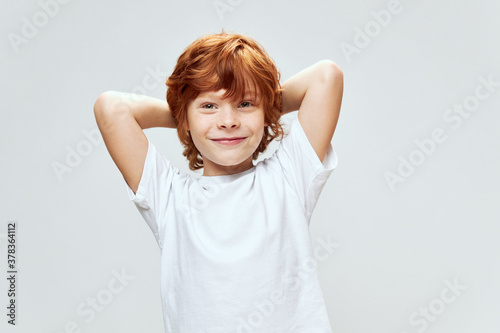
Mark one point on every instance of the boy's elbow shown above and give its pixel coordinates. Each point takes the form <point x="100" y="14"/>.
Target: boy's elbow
<point x="102" y="105"/>
<point x="104" y="113"/>
<point x="331" y="70"/>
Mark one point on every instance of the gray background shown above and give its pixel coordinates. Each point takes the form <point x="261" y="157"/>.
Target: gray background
<point x="396" y="247"/>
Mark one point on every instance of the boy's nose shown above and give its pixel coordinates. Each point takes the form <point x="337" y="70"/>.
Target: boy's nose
<point x="228" y="118"/>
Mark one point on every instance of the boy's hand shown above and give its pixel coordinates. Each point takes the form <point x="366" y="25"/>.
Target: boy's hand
<point x="317" y="93"/>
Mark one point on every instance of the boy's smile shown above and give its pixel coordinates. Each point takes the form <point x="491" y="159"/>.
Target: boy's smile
<point x="229" y="141"/>
<point x="225" y="132"/>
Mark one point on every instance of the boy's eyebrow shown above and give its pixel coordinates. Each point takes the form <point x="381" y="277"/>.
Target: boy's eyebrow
<point x="250" y="93"/>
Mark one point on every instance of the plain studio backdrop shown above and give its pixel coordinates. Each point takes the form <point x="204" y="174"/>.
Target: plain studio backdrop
<point x="409" y="213"/>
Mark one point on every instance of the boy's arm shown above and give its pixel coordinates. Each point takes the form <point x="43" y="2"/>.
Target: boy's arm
<point x="317" y="93"/>
<point x="121" y="117"/>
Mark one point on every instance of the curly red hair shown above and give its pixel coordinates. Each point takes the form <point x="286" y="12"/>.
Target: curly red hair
<point x="224" y="61"/>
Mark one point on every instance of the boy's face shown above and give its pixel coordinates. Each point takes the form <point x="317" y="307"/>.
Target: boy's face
<point x="225" y="132"/>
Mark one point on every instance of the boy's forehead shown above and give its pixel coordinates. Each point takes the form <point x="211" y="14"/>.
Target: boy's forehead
<point x="220" y="93"/>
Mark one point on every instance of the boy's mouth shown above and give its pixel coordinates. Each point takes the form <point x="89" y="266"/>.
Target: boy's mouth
<point x="229" y="141"/>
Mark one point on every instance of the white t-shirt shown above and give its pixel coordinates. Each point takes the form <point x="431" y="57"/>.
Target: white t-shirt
<point x="236" y="253"/>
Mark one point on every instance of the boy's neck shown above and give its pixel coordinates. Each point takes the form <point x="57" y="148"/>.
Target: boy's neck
<point x="211" y="169"/>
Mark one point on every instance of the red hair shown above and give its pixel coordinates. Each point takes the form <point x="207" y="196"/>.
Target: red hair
<point x="224" y="61"/>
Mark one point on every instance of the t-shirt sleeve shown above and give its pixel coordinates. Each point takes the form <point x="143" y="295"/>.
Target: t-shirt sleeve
<point x="302" y="167"/>
<point x="152" y="196"/>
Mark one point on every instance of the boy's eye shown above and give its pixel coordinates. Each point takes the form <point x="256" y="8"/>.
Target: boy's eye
<point x="210" y="106"/>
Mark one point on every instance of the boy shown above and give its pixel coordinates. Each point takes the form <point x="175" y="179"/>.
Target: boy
<point x="235" y="244"/>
